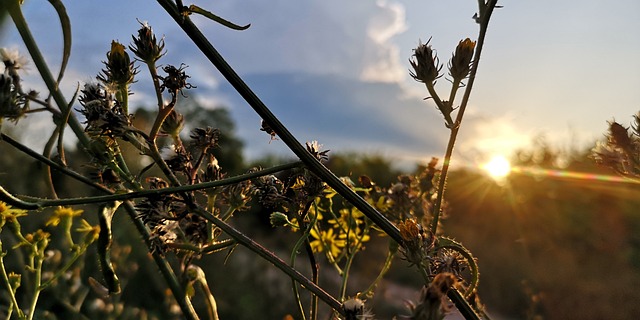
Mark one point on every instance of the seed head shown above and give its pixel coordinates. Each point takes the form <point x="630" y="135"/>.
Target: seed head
<point x="205" y="138"/>
<point x="12" y="104"/>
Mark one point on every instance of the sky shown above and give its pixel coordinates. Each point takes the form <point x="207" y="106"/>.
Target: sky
<point x="336" y="71"/>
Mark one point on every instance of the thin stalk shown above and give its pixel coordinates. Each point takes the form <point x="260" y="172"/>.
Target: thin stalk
<point x="13" y="7"/>
<point x="42" y="203"/>
<point x="164" y="266"/>
<point x="294" y="254"/>
<point x="5" y="278"/>
<point x="484" y="23"/>
<point x="36" y="285"/>
<point x="70" y="262"/>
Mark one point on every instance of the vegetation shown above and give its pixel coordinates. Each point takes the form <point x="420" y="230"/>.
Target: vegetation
<point x="144" y="220"/>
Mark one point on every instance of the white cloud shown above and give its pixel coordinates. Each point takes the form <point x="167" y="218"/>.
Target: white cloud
<point x="381" y="57"/>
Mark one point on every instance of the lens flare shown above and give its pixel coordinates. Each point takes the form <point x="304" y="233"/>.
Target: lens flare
<point x="498" y="167"/>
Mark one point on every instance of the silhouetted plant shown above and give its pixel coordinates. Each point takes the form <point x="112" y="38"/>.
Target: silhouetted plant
<point x="186" y="211"/>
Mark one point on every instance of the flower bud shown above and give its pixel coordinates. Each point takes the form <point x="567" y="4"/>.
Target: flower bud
<point x="278" y="219"/>
<point x="460" y="63"/>
<point x="119" y="68"/>
<point x="146" y="46"/>
<point x="425" y="64"/>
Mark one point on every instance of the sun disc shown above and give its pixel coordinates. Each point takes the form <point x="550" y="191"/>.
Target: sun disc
<point x="498" y="167"/>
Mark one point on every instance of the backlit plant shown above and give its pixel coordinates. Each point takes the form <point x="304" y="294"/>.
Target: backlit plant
<point x="186" y="210"/>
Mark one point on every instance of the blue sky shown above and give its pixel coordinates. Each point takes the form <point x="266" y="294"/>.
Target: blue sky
<point x="337" y="71"/>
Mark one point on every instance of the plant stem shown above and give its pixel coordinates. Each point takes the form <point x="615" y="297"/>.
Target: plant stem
<point x="5" y="278"/>
<point x="8" y="198"/>
<point x="269" y="256"/>
<point x="13" y="7"/>
<point x="36" y="284"/>
<point x="463" y="106"/>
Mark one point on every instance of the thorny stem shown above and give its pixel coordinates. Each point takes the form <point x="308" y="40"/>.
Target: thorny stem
<point x="484" y="23"/>
<point x="34" y="205"/>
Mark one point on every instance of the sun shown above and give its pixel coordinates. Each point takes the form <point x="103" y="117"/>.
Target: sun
<point x="498" y="167"/>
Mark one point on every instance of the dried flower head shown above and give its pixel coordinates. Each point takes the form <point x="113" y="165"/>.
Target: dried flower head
<point x="268" y="190"/>
<point x="145" y="46"/>
<point x="104" y="116"/>
<point x="12" y="105"/>
<point x="12" y="60"/>
<point x="119" y="69"/>
<point x="213" y="171"/>
<point x="177" y="159"/>
<point x="204" y="139"/>
<point x="432" y="304"/>
<point x="264" y="126"/>
<point x="176" y="79"/>
<point x="354" y="309"/>
<point x="426" y="65"/>
<point x="460" y="63"/>
<point x="314" y="148"/>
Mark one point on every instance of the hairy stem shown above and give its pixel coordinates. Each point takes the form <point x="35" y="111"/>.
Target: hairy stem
<point x="484" y="23"/>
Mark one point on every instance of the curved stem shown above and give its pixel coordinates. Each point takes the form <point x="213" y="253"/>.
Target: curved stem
<point x="21" y="24"/>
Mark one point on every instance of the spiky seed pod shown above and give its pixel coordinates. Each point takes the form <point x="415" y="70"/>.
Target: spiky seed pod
<point x="426" y="65"/>
<point x="145" y="46"/>
<point x="119" y="69"/>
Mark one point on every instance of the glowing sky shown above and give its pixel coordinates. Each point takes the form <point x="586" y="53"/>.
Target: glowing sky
<point x="558" y="69"/>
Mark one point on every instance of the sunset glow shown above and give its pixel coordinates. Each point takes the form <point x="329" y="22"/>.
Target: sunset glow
<point x="498" y="167"/>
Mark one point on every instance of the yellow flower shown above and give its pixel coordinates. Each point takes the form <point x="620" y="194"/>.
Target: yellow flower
<point x="355" y="239"/>
<point x="349" y="219"/>
<point x="62" y="213"/>
<point x="8" y="214"/>
<point x="326" y="240"/>
<point x="91" y="232"/>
